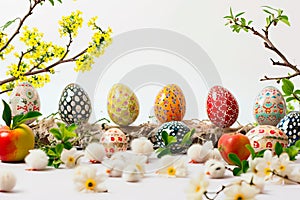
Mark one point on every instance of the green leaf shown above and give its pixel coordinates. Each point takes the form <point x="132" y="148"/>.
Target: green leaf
<point x="241" y="13"/>
<point x="287" y="86"/>
<point x="164" y="136"/>
<point x="292" y="151"/>
<point x="52" y="2"/>
<point x="249" y="22"/>
<point x="160" y="149"/>
<point x="52" y="153"/>
<point x="227" y="17"/>
<point x="252" y="151"/>
<point x="56" y="133"/>
<point x="67" y="145"/>
<point x="269" y="7"/>
<point x="285" y="20"/>
<point x="297" y="144"/>
<point x="290" y="99"/>
<point x="235" y="159"/>
<point x="59" y="148"/>
<point x="28" y="116"/>
<point x="237" y="171"/>
<point x="72" y="127"/>
<point x="164" y="152"/>
<point x="297" y="92"/>
<point x="186" y="140"/>
<point x="278" y="149"/>
<point x="6" y="115"/>
<point x="171" y="139"/>
<point x="245" y="166"/>
<point x="260" y="154"/>
<point x="7" y="24"/>
<point x="231" y="14"/>
<point x="268" y="12"/>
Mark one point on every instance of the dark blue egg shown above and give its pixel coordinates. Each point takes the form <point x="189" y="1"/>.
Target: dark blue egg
<point x="290" y="125"/>
<point x="174" y="128"/>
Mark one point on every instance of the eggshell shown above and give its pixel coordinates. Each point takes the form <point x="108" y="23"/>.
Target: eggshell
<point x="122" y="105"/>
<point x="74" y="104"/>
<point x="114" y="140"/>
<point x="222" y="107"/>
<point x="24" y="98"/>
<point x="170" y="104"/>
<point x="269" y="107"/>
<point x="265" y="137"/>
<point x="173" y="128"/>
<point x="290" y="125"/>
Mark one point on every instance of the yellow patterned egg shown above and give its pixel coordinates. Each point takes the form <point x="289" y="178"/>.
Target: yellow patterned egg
<point x="170" y="104"/>
<point x="122" y="105"/>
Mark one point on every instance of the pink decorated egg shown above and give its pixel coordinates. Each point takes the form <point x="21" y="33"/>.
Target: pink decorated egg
<point x="269" y="107"/>
<point x="114" y="140"/>
<point x="170" y="104"/>
<point x="221" y="106"/>
<point x="122" y="105"/>
<point x="265" y="137"/>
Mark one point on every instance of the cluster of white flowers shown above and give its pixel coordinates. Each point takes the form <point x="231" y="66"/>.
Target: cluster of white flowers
<point x="172" y="166"/>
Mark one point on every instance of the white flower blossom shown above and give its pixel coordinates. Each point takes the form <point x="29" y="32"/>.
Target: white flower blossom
<point x="37" y="159"/>
<point x="240" y="191"/>
<point x="95" y="152"/>
<point x="70" y="157"/>
<point x="115" y="167"/>
<point x="87" y="179"/>
<point x="132" y="173"/>
<point x="254" y="180"/>
<point x="200" y="153"/>
<point x="172" y="166"/>
<point x="142" y="146"/>
<point x="197" y="187"/>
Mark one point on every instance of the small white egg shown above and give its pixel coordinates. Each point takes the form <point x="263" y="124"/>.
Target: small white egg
<point x="142" y="146"/>
<point x="7" y="180"/>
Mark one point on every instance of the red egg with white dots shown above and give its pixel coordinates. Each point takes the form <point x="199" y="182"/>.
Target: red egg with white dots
<point x="222" y="107"/>
<point x="265" y="137"/>
<point x="114" y="140"/>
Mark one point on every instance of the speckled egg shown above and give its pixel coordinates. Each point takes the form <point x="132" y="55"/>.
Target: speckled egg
<point x="24" y="98"/>
<point x="290" y="125"/>
<point x="74" y="105"/>
<point x="265" y="137"/>
<point x="170" y="104"/>
<point x="269" y="107"/>
<point x="222" y="107"/>
<point x="174" y="128"/>
<point x="122" y="105"/>
<point x="114" y="140"/>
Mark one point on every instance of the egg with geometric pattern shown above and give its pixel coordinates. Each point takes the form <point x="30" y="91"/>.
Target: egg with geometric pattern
<point x="290" y="125"/>
<point x="222" y="107"/>
<point x="177" y="129"/>
<point x="122" y="105"/>
<point x="269" y="107"/>
<point x="170" y="104"/>
<point x="74" y="105"/>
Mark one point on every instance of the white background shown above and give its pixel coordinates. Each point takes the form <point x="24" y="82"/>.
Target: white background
<point x="240" y="59"/>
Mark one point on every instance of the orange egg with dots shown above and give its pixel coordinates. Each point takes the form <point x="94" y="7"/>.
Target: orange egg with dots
<point x="170" y="104"/>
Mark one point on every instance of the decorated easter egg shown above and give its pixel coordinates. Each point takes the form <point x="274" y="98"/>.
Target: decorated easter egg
<point x="269" y="107"/>
<point x="122" y="105"/>
<point x="74" y="105"/>
<point x="222" y="107"/>
<point x="290" y="125"/>
<point x="114" y="140"/>
<point x="24" y="98"/>
<point x="170" y="104"/>
<point x="266" y="136"/>
<point x="177" y="129"/>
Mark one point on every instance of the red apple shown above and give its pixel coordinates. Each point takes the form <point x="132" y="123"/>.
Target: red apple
<point x="233" y="143"/>
<point x="16" y="138"/>
<point x="15" y="144"/>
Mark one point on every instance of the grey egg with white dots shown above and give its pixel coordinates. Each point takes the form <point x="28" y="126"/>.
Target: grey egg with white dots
<point x="74" y="105"/>
<point x="177" y="129"/>
<point x="290" y="125"/>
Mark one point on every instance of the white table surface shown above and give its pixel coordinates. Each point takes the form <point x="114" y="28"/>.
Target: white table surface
<point x="58" y="184"/>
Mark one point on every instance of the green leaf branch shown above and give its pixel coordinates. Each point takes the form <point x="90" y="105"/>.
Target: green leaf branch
<point x="170" y="140"/>
<point x="274" y="16"/>
<point x="65" y="136"/>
